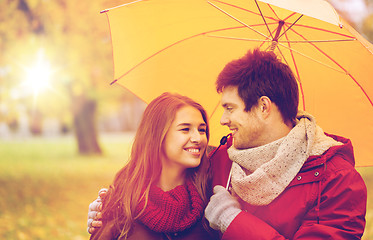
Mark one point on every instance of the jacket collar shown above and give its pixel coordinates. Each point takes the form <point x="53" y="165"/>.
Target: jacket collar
<point x="345" y="150"/>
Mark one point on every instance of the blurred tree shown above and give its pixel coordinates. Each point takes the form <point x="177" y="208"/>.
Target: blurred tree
<point x="363" y="23"/>
<point x="367" y="28"/>
<point x="76" y="39"/>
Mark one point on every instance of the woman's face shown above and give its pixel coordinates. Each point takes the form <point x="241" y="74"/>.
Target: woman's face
<point x="186" y="140"/>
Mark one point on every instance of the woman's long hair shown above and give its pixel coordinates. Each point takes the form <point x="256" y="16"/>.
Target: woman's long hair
<point x="132" y="183"/>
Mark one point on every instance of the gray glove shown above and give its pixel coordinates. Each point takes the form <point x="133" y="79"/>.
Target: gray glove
<point x="94" y="212"/>
<point x="222" y="209"/>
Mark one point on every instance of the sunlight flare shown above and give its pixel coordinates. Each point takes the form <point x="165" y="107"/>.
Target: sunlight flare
<point x="38" y="76"/>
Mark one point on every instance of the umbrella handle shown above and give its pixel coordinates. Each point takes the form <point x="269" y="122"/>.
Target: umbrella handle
<point x="229" y="178"/>
<point x="223" y="141"/>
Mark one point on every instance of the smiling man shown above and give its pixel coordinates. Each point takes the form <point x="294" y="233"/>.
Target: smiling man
<point x="287" y="178"/>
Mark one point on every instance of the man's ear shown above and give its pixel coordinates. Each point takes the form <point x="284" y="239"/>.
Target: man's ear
<point x="265" y="104"/>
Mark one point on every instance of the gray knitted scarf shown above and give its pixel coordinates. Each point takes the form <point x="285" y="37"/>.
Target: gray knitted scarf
<point x="260" y="174"/>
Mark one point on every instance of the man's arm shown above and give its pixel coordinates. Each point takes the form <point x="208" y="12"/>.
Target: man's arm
<point x="224" y="214"/>
<point x="342" y="213"/>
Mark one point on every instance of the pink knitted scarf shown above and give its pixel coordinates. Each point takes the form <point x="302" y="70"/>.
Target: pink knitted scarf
<point x="171" y="211"/>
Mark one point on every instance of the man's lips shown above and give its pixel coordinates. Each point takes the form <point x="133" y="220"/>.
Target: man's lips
<point x="233" y="130"/>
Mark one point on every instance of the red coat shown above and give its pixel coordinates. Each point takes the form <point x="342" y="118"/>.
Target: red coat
<point x="326" y="200"/>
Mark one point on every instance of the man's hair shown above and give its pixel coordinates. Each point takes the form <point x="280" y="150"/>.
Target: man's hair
<point x="258" y="74"/>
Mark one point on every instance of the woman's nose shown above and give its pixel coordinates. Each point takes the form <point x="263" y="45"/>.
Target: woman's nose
<point x="196" y="137"/>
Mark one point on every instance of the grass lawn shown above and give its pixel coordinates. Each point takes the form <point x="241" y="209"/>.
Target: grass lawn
<point x="45" y="187"/>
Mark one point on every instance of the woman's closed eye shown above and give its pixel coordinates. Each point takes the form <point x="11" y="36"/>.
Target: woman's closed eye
<point x="202" y="130"/>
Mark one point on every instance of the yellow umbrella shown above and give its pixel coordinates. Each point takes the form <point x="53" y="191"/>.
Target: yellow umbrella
<point x="182" y="45"/>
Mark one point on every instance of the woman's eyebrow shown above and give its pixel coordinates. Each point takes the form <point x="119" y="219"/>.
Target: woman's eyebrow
<point x="189" y="124"/>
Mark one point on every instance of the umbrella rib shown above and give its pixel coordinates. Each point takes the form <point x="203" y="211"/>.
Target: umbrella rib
<point x="234" y="18"/>
<point x="244" y="9"/>
<point x="265" y="22"/>
<point x="169" y="46"/>
<point x="283" y="41"/>
<point x="273" y="11"/>
<point x="310" y="27"/>
<point x="325" y="30"/>
<point x="293" y="50"/>
<point x="285" y="19"/>
<point x="237" y="38"/>
<point x="330" y="58"/>
<point x="311" y="43"/>
<point x="297" y="71"/>
<point x="213" y="111"/>
<point x="108" y="9"/>
<point x="362" y="89"/>
<point x="290" y="26"/>
<point x="306" y="26"/>
<point x="283" y="56"/>
<point x="320" y="41"/>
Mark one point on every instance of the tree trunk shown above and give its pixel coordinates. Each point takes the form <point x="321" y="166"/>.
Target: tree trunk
<point x="85" y="126"/>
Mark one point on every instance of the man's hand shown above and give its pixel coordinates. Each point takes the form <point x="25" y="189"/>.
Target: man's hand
<point x="94" y="212"/>
<point x="222" y="209"/>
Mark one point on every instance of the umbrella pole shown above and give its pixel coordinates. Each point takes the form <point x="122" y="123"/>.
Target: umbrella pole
<point x="275" y="39"/>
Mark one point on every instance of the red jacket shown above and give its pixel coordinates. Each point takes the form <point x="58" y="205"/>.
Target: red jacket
<point x="326" y="200"/>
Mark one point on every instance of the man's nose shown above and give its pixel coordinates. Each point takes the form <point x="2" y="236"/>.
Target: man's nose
<point x="224" y="120"/>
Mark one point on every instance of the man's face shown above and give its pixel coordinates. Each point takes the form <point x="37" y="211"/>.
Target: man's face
<point x="247" y="127"/>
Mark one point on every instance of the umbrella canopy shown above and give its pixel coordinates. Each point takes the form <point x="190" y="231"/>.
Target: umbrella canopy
<point x="181" y="46"/>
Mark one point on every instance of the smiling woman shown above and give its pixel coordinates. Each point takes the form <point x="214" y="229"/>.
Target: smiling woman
<point x="162" y="190"/>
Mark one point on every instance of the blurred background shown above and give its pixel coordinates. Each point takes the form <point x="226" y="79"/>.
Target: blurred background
<point x="64" y="130"/>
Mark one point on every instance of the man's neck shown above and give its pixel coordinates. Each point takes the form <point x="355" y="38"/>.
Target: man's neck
<point x="278" y="129"/>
